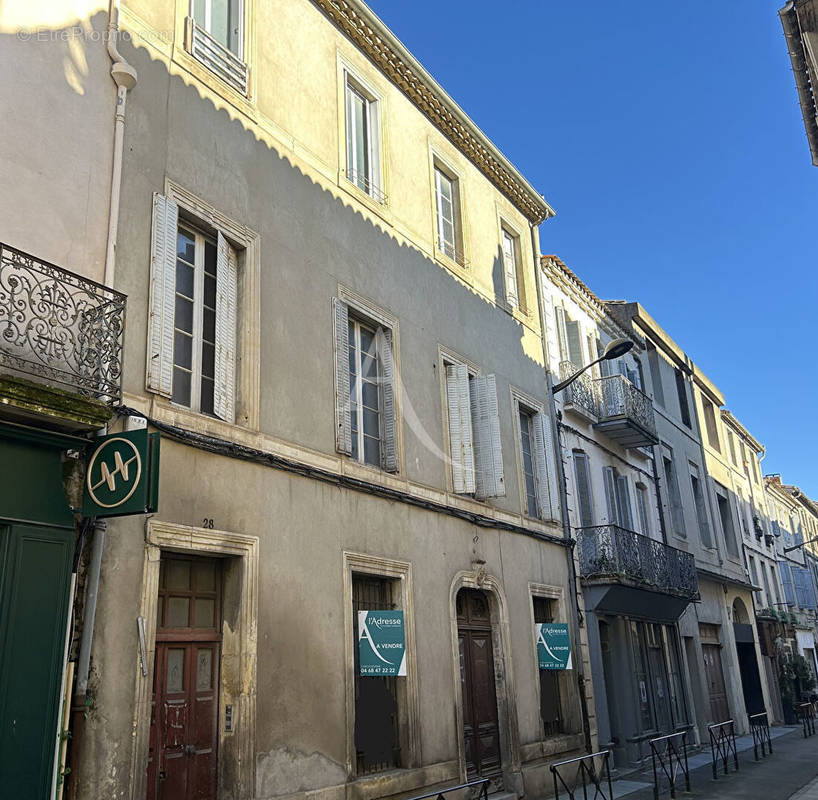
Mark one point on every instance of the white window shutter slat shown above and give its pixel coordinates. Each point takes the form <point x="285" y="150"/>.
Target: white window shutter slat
<point x="460" y="428"/>
<point x="562" y="333"/>
<point x="159" y="376"/>
<point x="343" y="423"/>
<point x="541" y="486"/>
<point x="551" y="454"/>
<point x="489" y="480"/>
<point x="610" y="495"/>
<point x="389" y="445"/>
<point x="574" y="340"/>
<point x="224" y="385"/>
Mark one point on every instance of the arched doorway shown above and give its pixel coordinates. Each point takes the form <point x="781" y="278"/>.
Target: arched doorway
<point x="481" y="731"/>
<point x="747" y="661"/>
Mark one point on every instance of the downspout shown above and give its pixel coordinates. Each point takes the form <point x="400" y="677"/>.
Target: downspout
<point x="573" y="603"/>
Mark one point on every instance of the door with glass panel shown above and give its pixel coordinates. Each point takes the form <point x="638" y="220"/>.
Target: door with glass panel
<point x="182" y="762"/>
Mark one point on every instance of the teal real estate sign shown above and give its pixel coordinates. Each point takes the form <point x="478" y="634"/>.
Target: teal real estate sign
<point x="381" y="643"/>
<point x="122" y="475"/>
<point x="553" y="645"/>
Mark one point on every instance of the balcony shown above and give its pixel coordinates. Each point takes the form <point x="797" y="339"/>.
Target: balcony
<point x="57" y="330"/>
<point x="624" y="572"/>
<point x="625" y="413"/>
<point x="581" y="396"/>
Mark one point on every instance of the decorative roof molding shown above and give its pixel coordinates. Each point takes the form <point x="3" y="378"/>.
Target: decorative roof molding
<point x="728" y="417"/>
<point x="384" y="49"/>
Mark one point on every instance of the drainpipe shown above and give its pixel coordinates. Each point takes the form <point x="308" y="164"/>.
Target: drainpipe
<point x="124" y="76"/>
<point x="573" y="603"/>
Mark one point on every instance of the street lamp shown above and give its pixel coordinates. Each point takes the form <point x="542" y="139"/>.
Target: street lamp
<point x="614" y="349"/>
<point x="796" y="546"/>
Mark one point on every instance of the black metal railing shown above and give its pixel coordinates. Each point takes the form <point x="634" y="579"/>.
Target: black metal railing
<point x="611" y="551"/>
<point x="58" y="326"/>
<point x="806" y="713"/>
<point x="582" y="393"/>
<point x="668" y="755"/>
<point x="618" y="397"/>
<point x="723" y="745"/>
<point x="760" y="728"/>
<point x="586" y="772"/>
<point x="479" y="794"/>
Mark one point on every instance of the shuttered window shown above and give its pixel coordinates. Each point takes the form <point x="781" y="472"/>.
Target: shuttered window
<point x="786" y="582"/>
<point x="681" y="393"/>
<point x="642" y="508"/>
<point x="527" y="452"/>
<point x="617" y="496"/>
<point x="585" y="507"/>
<point x="362" y="139"/>
<point x="574" y="343"/>
<point x="710" y="424"/>
<point x="674" y="497"/>
<point x="562" y="333"/>
<point x="447" y="209"/>
<point x="535" y="446"/>
<point x="701" y="509"/>
<point x="364" y="389"/>
<point x="510" y="266"/>
<point x="655" y="373"/>
<point x="192" y="325"/>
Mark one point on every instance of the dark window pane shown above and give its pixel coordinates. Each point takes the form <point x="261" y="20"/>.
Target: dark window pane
<point x="182" y="350"/>
<point x="205" y="608"/>
<point x="177" y="574"/>
<point x="371" y="423"/>
<point x="184" y="279"/>
<point x="208" y="359"/>
<point x="178" y="612"/>
<point x="205" y="572"/>
<point x="369" y="367"/>
<point x="210" y="291"/>
<point x="185" y="246"/>
<point x="372" y="451"/>
<point x="370" y="392"/>
<point x="209" y="325"/>
<point x="184" y="315"/>
<point x="210" y="257"/>
<point x="181" y="386"/>
<point x="206" y="402"/>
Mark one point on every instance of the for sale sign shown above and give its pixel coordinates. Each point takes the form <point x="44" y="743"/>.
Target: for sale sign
<point x="381" y="643"/>
<point x="553" y="645"/>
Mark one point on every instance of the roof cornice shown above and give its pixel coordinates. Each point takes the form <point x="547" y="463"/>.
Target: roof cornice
<point x="386" y="51"/>
<point x="728" y="417"/>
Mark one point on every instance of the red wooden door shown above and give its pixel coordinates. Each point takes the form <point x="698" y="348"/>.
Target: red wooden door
<point x="183" y="755"/>
<point x="481" y="732"/>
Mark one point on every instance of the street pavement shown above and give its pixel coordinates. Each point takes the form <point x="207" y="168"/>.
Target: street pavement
<point x="789" y="773"/>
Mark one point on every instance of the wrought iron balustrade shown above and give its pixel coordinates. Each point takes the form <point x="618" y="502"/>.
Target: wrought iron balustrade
<point x="582" y="393"/>
<point x="59" y="327"/>
<point x="618" y="397"/>
<point x="608" y="551"/>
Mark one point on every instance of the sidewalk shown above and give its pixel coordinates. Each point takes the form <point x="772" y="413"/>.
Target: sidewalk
<point x="788" y="774"/>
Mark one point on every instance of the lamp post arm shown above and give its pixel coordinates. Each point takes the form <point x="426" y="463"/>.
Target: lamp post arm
<point x="568" y="381"/>
<point x="796" y="546"/>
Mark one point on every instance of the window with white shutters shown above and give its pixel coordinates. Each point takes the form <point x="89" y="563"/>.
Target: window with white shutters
<point x="364" y="389"/>
<point x="584" y="497"/>
<point x="511" y="257"/>
<point x="449" y="226"/>
<point x="642" y="506"/>
<point x="574" y="338"/>
<point x="537" y="473"/>
<point x="527" y="453"/>
<point x="192" y="325"/>
<point x="617" y="496"/>
<point x="363" y="157"/>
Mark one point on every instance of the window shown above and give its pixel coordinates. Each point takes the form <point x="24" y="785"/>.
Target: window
<point x="511" y="267"/>
<point x="711" y="424"/>
<point x="585" y="503"/>
<point x="768" y="597"/>
<point x="377" y="728"/>
<point x="364" y="388"/>
<point x="216" y="38"/>
<point x="362" y="139"/>
<point x="618" y="499"/>
<point x="681" y="392"/>
<point x="549" y="678"/>
<point x="192" y="326"/>
<point x="569" y="338"/>
<point x="755" y="468"/>
<point x="527" y="450"/>
<point x="655" y="373"/>
<point x="753" y="574"/>
<point x="642" y="508"/>
<point x="731" y="444"/>
<point x="474" y="433"/>
<point x="786" y="582"/>
<point x="727" y="523"/>
<point x="701" y="508"/>
<point x="448" y="220"/>
<point x="674" y="496"/>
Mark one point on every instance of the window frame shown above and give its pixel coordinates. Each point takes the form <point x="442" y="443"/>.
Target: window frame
<point x="517" y="300"/>
<point x="458" y="258"/>
<point x="353" y="84"/>
<point x="522" y="403"/>
<point x="238" y="21"/>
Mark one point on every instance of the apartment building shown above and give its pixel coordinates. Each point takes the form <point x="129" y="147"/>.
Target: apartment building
<point x="718" y="633"/>
<point x="635" y="584"/>
<point x="333" y="324"/>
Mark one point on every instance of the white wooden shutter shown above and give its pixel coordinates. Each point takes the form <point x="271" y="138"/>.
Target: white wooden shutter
<point x="585" y="505"/>
<point x="610" y="495"/>
<point x="624" y="502"/>
<point x="343" y="423"/>
<point x="562" y="333"/>
<point x="389" y="445"/>
<point x="574" y="343"/>
<point x="542" y="489"/>
<point x="460" y="428"/>
<point x="224" y="385"/>
<point x="159" y="376"/>
<point x="510" y="268"/>
<point x="489" y="480"/>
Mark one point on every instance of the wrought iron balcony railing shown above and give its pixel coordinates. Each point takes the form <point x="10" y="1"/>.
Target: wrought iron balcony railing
<point x="582" y="393"/>
<point x="611" y="552"/>
<point x="618" y="397"/>
<point x="59" y="327"/>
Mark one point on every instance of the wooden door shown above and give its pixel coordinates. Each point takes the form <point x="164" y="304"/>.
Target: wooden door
<point x="182" y="762"/>
<point x="481" y="731"/>
<point x="719" y="709"/>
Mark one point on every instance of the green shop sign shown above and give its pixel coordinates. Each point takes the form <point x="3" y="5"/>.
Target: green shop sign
<point x="553" y="645"/>
<point x="122" y="475"/>
<point x="381" y="643"/>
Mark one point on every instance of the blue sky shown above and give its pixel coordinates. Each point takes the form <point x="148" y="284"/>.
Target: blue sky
<point x="668" y="138"/>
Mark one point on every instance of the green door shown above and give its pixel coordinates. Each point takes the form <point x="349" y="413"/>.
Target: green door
<point x="36" y="560"/>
